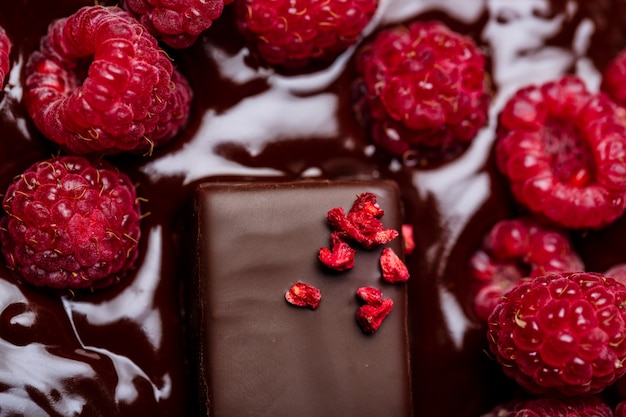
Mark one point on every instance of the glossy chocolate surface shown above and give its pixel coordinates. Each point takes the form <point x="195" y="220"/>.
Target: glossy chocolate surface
<point x="120" y="352"/>
<point x="261" y="356"/>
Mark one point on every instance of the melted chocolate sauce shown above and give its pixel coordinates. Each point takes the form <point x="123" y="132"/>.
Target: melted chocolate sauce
<point x="121" y="352"/>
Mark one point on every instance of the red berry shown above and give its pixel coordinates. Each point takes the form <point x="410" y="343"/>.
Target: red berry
<point x="614" y="77"/>
<point x="101" y="84"/>
<point x="422" y="91"/>
<point x="5" y="49"/>
<point x="513" y="250"/>
<point x="553" y="407"/>
<point x="70" y="224"/>
<point x="177" y="22"/>
<point x="293" y="33"/>
<point x="564" y="151"/>
<point x="561" y="333"/>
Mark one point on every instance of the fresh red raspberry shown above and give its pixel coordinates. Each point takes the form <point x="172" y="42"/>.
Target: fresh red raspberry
<point x="176" y="22"/>
<point x="293" y="33"/>
<point x="69" y="223"/>
<point x="561" y="333"/>
<point x="513" y="250"/>
<point x="564" y="151"/>
<point x="586" y="406"/>
<point x="422" y="91"/>
<point x="5" y="49"/>
<point x="101" y="84"/>
<point x="614" y="77"/>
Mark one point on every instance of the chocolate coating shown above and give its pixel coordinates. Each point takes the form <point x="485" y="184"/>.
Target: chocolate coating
<point x="260" y="355"/>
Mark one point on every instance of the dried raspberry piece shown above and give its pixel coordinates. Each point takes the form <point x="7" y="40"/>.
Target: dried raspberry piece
<point x="564" y="151"/>
<point x="303" y="295"/>
<point x="5" y="50"/>
<point x="408" y="240"/>
<point x="100" y="84"/>
<point x="422" y="91"/>
<point x="586" y="406"/>
<point x="178" y="23"/>
<point x="362" y="223"/>
<point x="340" y="258"/>
<point x="294" y="33"/>
<point x="370" y="317"/>
<point x="513" y="250"/>
<point x="561" y="333"/>
<point x="370" y="295"/>
<point x="71" y="224"/>
<point x="394" y="269"/>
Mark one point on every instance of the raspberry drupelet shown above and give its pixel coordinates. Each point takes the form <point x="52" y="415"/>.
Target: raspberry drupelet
<point x="564" y="151"/>
<point x="69" y="223"/>
<point x="422" y="91"/>
<point x="5" y="50"/>
<point x="100" y="84"/>
<point x="293" y="33"/>
<point x="178" y="23"/>
<point x="561" y="333"/>
<point x="513" y="250"/>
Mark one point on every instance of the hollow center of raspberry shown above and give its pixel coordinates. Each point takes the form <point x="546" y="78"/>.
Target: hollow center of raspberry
<point x="571" y="156"/>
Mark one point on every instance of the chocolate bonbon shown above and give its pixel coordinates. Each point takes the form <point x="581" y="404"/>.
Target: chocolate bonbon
<point x="260" y="355"/>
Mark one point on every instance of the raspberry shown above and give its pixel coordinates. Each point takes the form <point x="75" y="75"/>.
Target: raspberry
<point x="70" y="224"/>
<point x="294" y="33"/>
<point x="422" y="91"/>
<point x="515" y="249"/>
<point x="552" y="407"/>
<point x="100" y="84"/>
<point x="613" y="79"/>
<point x="561" y="333"/>
<point x="563" y="150"/>
<point x="176" y="22"/>
<point x="5" y="49"/>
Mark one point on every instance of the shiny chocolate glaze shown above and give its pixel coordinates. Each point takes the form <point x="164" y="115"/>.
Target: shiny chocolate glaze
<point x="122" y="352"/>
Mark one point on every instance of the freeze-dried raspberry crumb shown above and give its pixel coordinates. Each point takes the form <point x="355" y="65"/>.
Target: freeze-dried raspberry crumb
<point x="370" y="295"/>
<point x="393" y="268"/>
<point x="362" y="223"/>
<point x="371" y="316"/>
<point x="561" y="333"/>
<point x="5" y="50"/>
<point x="100" y="83"/>
<point x="69" y="223"/>
<point x="340" y="258"/>
<point x="408" y="240"/>
<point x="294" y="33"/>
<point x="422" y="91"/>
<point x="515" y="249"/>
<point x="178" y="23"/>
<point x="564" y="151"/>
<point x="301" y="294"/>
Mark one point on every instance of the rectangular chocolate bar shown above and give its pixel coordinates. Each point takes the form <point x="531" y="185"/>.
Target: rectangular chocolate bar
<point x="260" y="356"/>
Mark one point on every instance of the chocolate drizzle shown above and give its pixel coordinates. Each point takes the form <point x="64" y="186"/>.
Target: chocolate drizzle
<point x="120" y="352"/>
